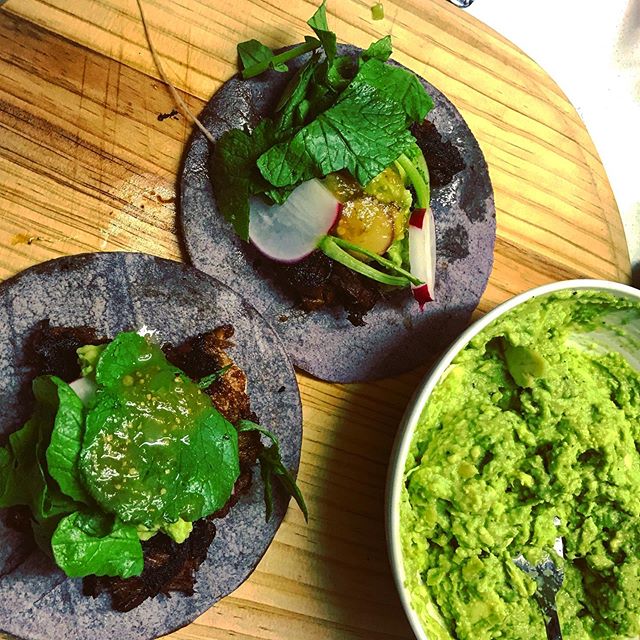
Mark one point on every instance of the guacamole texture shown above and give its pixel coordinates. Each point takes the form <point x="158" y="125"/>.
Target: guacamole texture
<point x="534" y="421"/>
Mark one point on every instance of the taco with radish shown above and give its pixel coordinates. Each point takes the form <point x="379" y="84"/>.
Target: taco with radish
<point x="349" y="195"/>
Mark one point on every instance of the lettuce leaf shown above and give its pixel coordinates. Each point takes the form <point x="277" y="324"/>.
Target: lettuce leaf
<point x="341" y="138"/>
<point x="63" y="451"/>
<point x="86" y="544"/>
<point x="25" y="479"/>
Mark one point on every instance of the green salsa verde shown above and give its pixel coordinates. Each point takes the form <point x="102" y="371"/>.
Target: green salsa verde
<point x="532" y="422"/>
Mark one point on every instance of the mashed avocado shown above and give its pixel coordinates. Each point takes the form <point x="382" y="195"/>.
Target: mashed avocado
<point x="530" y="422"/>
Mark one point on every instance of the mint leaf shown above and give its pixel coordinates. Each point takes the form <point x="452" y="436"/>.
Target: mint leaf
<point x="318" y="22"/>
<point x="86" y="544"/>
<point x="271" y="466"/>
<point x="364" y="132"/>
<point x="379" y="50"/>
<point x="395" y="84"/>
<point x="234" y="175"/>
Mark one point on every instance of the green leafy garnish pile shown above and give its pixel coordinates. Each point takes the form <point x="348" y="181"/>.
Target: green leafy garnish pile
<point x="146" y="452"/>
<point x="335" y="114"/>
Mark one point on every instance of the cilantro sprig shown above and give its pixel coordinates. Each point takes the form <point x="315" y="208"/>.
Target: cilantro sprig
<point x="271" y="466"/>
<point x="256" y="58"/>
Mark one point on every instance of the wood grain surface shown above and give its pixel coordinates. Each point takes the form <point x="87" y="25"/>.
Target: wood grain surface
<point x="87" y="163"/>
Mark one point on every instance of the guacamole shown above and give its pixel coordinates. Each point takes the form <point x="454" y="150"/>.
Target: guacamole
<point x="533" y="423"/>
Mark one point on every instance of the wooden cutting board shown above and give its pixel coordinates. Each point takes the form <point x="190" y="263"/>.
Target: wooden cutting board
<point x="89" y="154"/>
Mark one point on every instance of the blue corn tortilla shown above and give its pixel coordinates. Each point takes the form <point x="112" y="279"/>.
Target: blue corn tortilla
<point x="397" y="336"/>
<point x="112" y="292"/>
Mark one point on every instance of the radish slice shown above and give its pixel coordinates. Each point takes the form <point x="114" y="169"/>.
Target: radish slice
<point x="85" y="389"/>
<point x="291" y="231"/>
<point x="422" y="254"/>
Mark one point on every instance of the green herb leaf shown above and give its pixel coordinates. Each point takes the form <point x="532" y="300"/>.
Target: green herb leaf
<point x="271" y="465"/>
<point x="379" y="50"/>
<point x="395" y="84"/>
<point x="266" y="475"/>
<point x="155" y="450"/>
<point x="340" y="73"/>
<point x="207" y="381"/>
<point x="63" y="452"/>
<point x="261" y="58"/>
<point x="341" y="138"/>
<point x="318" y="22"/>
<point x="87" y="544"/>
<point x="21" y="478"/>
<point x="234" y="175"/>
<point x="25" y="480"/>
<point x="5" y="472"/>
<point x="290" y="116"/>
<point x="253" y="52"/>
<point x="43" y="532"/>
<point x="270" y="458"/>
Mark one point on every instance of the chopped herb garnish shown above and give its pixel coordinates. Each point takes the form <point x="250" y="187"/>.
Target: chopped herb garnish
<point x="207" y="381"/>
<point x="377" y="11"/>
<point x="271" y="466"/>
<point x="256" y="58"/>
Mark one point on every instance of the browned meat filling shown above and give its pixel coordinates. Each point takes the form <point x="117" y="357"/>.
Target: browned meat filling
<point x="443" y="158"/>
<point x="318" y="281"/>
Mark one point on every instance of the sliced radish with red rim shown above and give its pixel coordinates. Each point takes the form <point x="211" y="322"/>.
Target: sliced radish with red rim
<point x="291" y="231"/>
<point x="422" y="254"/>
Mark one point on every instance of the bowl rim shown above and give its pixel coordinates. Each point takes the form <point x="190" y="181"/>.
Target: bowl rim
<point x="414" y="409"/>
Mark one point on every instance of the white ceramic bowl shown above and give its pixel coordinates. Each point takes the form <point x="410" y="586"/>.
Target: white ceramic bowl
<point x="419" y="400"/>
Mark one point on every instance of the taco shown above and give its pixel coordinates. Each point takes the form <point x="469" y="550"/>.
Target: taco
<point x="228" y="369"/>
<point x="371" y="242"/>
